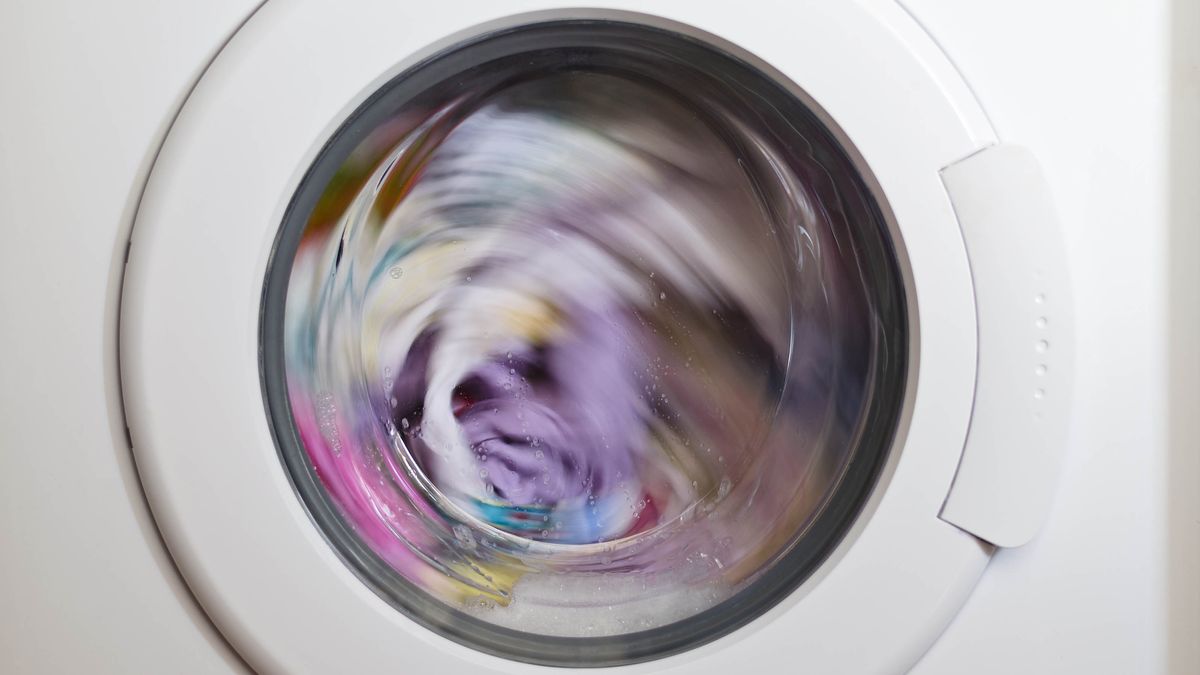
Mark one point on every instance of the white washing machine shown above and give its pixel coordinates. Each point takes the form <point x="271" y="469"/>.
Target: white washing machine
<point x="506" y="337"/>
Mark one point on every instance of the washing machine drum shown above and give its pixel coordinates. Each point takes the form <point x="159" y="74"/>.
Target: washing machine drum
<point x="582" y="340"/>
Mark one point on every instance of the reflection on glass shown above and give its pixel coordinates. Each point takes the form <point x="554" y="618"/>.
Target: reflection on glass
<point x="582" y="351"/>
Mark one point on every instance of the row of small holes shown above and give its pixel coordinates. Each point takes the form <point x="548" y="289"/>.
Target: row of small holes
<point x="1041" y="346"/>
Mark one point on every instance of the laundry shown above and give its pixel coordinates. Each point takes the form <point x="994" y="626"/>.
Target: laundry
<point x="549" y="315"/>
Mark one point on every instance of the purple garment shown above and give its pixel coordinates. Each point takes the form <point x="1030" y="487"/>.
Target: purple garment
<point x="555" y="424"/>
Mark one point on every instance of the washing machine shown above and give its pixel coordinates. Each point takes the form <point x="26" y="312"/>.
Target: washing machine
<point x="646" y="337"/>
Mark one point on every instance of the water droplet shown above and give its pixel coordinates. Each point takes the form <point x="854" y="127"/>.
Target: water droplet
<point x="403" y="420"/>
<point x="1042" y="345"/>
<point x="1041" y="369"/>
<point x="1039" y="393"/>
<point x="463" y="534"/>
<point x="1041" y="322"/>
<point x="1039" y="298"/>
<point x="396" y="271"/>
<point x="662" y="296"/>
<point x="724" y="487"/>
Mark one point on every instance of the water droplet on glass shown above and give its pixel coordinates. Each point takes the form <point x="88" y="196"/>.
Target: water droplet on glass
<point x="463" y="534"/>
<point x="724" y="487"/>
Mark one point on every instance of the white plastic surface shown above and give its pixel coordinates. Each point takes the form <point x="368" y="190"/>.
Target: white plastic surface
<point x="1009" y="469"/>
<point x="88" y="91"/>
<point x="1087" y="86"/>
<point x="190" y="341"/>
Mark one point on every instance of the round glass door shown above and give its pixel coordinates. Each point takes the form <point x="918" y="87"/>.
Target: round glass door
<point x="583" y="342"/>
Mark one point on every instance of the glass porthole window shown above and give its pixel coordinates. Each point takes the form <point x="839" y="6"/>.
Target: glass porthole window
<point x="584" y="342"/>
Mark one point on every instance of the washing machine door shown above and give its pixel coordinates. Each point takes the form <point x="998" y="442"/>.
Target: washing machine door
<point x="478" y="335"/>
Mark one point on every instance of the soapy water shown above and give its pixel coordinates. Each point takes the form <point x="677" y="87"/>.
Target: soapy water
<point x="575" y="354"/>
